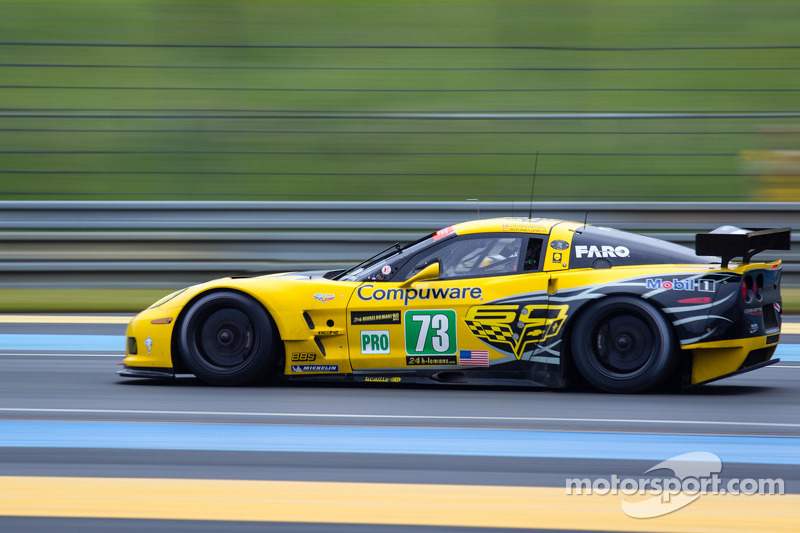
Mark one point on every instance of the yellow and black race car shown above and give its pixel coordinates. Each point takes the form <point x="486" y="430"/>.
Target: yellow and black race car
<point x="505" y="301"/>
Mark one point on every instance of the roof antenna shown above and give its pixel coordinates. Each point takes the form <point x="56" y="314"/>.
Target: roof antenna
<point x="533" y="183"/>
<point x="585" y="220"/>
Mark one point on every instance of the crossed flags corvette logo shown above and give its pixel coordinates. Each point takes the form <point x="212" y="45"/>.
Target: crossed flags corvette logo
<point x="322" y="297"/>
<point x="515" y="328"/>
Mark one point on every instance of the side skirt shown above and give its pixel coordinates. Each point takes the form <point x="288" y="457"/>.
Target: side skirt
<point x="443" y="377"/>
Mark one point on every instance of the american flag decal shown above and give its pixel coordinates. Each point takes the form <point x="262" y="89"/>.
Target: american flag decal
<point x="473" y="357"/>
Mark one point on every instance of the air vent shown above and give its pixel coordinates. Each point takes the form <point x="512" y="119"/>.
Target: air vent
<point x="320" y="346"/>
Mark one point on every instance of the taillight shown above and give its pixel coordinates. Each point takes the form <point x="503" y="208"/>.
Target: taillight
<point x="747" y="294"/>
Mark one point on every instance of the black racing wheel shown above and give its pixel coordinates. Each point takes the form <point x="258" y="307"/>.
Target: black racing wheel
<point x="226" y="339"/>
<point x="623" y="344"/>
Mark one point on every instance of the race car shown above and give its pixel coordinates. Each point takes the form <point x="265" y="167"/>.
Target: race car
<point x="505" y="301"/>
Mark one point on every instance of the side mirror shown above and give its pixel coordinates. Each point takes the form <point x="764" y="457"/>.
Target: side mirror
<point x="429" y="272"/>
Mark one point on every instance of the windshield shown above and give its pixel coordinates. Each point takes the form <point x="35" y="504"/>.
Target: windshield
<point x="382" y="267"/>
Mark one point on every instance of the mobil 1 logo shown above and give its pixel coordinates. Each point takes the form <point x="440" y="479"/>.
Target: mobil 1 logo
<point x="430" y="332"/>
<point x="375" y="342"/>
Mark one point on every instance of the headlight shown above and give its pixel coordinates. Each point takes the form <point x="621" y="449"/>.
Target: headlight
<point x="166" y="298"/>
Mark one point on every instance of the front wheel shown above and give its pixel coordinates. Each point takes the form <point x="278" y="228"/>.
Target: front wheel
<point x="226" y="339"/>
<point x="623" y="344"/>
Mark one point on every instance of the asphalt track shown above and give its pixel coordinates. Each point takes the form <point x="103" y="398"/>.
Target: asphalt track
<point x="82" y="449"/>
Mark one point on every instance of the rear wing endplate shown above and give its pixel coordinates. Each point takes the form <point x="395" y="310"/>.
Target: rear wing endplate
<point x="729" y="242"/>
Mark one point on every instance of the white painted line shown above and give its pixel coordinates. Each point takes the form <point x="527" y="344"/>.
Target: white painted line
<point x="394" y="417"/>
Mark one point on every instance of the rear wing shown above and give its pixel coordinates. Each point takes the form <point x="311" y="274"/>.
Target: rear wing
<point x="729" y="242"/>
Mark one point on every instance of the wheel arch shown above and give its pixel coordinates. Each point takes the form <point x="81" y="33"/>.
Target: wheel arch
<point x="175" y="342"/>
<point x="568" y="363"/>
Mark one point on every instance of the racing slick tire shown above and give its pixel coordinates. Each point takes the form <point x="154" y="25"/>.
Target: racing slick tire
<point x="624" y="345"/>
<point x="226" y="338"/>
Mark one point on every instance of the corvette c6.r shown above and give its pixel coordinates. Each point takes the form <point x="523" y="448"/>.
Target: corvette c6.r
<point x="505" y="301"/>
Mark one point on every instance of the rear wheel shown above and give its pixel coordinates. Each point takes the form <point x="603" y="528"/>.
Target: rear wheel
<point x="623" y="344"/>
<point x="226" y="339"/>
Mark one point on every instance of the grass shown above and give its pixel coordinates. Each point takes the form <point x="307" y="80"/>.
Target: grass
<point x="78" y="300"/>
<point x="359" y="56"/>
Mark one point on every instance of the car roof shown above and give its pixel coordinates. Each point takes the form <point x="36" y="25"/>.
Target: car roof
<point x="541" y="226"/>
<point x="634" y="249"/>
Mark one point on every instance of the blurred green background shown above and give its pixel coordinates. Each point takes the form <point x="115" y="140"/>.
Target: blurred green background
<point x="415" y="100"/>
<point x="127" y="99"/>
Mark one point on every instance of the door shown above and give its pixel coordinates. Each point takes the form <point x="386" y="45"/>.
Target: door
<point x="449" y="322"/>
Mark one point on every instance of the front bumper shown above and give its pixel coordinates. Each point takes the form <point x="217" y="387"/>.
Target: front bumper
<point x="140" y="372"/>
<point x="149" y="343"/>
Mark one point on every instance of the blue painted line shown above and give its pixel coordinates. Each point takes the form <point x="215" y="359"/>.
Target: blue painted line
<point x="116" y="343"/>
<point x="63" y="343"/>
<point x="394" y="440"/>
<point x="788" y="352"/>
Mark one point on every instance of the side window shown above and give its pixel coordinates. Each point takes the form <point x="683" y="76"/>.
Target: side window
<point x="466" y="257"/>
<point x="533" y="255"/>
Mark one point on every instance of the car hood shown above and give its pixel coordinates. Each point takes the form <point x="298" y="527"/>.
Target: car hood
<point x="304" y="275"/>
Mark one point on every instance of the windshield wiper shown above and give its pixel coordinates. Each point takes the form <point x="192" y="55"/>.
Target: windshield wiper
<point x="395" y="246"/>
